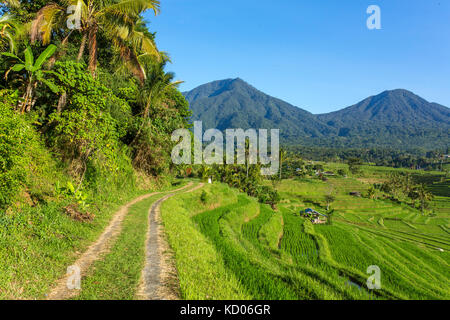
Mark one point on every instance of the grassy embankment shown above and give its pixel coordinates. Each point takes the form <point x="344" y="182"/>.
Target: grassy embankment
<point x="38" y="242"/>
<point x="243" y="249"/>
<point x="116" y="276"/>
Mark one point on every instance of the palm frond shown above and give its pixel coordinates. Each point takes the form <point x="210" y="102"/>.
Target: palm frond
<point x="45" y="22"/>
<point x="130" y="59"/>
<point x="131" y="7"/>
<point x="11" y="3"/>
<point x="145" y="45"/>
<point x="9" y="30"/>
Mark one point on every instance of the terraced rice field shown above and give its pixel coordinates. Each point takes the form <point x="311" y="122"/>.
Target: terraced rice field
<point x="243" y="249"/>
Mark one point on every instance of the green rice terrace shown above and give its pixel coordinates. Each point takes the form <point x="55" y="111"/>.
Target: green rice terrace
<point x="228" y="246"/>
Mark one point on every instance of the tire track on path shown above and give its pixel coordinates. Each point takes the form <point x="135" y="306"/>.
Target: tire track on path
<point x="158" y="273"/>
<point x="94" y="252"/>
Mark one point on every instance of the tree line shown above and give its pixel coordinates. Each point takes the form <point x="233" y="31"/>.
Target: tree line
<point x="97" y="100"/>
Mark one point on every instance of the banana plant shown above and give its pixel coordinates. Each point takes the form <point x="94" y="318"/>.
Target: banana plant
<point x="33" y="73"/>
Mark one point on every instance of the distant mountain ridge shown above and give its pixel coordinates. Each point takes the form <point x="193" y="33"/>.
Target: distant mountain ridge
<point x="400" y="106"/>
<point x="396" y="118"/>
<point x="233" y="103"/>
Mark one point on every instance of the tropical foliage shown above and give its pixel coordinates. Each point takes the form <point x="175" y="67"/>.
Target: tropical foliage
<point x="117" y="21"/>
<point x="86" y="79"/>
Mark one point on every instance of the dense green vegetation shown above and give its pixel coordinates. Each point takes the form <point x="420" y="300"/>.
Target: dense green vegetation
<point x="417" y="158"/>
<point x="117" y="275"/>
<point x="281" y="255"/>
<point x="86" y="117"/>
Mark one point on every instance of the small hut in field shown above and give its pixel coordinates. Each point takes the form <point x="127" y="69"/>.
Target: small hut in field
<point x="314" y="216"/>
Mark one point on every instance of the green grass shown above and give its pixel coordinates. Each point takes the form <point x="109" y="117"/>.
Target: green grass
<point x="271" y="233"/>
<point x="279" y="255"/>
<point x="116" y="276"/>
<point x="38" y="243"/>
<point x="201" y="269"/>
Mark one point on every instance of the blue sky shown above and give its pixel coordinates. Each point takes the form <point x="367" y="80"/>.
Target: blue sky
<point x="315" y="54"/>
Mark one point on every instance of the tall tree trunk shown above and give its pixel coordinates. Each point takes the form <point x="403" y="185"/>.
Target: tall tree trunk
<point x="82" y="47"/>
<point x="281" y="166"/>
<point x="28" y="97"/>
<point x="93" y="49"/>
<point x="62" y="102"/>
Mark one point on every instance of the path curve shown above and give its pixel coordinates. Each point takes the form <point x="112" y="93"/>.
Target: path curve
<point x="152" y="284"/>
<point x="98" y="248"/>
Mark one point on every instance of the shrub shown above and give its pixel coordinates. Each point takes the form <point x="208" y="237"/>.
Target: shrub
<point x="204" y="197"/>
<point x="88" y="130"/>
<point x="24" y="161"/>
<point x="269" y="196"/>
<point x="14" y="139"/>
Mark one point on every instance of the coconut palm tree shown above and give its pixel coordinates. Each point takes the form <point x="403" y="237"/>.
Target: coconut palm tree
<point x="115" y="19"/>
<point x="150" y="96"/>
<point x="423" y="195"/>
<point x="155" y="86"/>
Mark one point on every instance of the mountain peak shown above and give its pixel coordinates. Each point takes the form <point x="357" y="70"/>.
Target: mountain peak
<point x="391" y="118"/>
<point x="399" y="106"/>
<point x="398" y="93"/>
<point x="233" y="103"/>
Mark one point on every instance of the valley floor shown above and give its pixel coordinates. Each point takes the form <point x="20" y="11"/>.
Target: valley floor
<point x="232" y="247"/>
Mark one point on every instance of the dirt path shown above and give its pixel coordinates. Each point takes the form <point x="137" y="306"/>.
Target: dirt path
<point x="98" y="248"/>
<point x="159" y="278"/>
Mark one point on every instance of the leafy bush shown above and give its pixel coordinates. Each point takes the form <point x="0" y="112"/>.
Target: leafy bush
<point x="71" y="192"/>
<point x="24" y="161"/>
<point x="13" y="143"/>
<point x="204" y="197"/>
<point x="85" y="131"/>
<point x="268" y="195"/>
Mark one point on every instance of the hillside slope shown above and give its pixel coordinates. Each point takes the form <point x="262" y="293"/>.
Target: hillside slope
<point x="396" y="118"/>
<point x="233" y="103"/>
<point x="396" y="106"/>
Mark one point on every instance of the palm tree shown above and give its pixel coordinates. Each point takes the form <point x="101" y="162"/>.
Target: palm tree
<point x="247" y="155"/>
<point x="371" y="192"/>
<point x="151" y="94"/>
<point x="115" y="19"/>
<point x="420" y="192"/>
<point x="204" y="172"/>
<point x="330" y="197"/>
<point x="156" y="84"/>
<point x="283" y="154"/>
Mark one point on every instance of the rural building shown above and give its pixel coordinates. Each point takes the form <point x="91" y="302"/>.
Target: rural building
<point x="314" y="216"/>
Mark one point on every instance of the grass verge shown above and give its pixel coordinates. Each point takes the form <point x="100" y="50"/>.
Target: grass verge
<point x="38" y="243"/>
